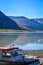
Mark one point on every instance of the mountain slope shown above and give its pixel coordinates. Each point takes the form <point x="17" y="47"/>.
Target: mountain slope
<point x="25" y="23"/>
<point x="7" y="23"/>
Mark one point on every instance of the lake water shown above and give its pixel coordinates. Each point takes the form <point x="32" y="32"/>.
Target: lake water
<point x="26" y="41"/>
<point x="32" y="46"/>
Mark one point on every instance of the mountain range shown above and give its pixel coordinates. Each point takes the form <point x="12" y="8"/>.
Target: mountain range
<point x="20" y="22"/>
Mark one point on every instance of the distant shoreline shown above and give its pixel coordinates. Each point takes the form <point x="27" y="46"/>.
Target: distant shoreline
<point x="11" y="30"/>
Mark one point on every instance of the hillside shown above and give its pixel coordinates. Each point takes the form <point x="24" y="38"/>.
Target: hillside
<point x="7" y="23"/>
<point x="29" y="24"/>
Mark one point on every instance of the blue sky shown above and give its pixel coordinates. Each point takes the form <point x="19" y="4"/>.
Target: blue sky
<point x="27" y="8"/>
